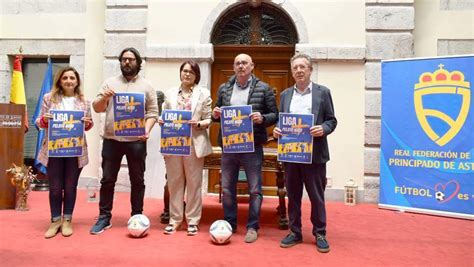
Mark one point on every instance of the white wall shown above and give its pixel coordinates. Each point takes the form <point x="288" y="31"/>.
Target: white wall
<point x="333" y="22"/>
<point x="178" y="21"/>
<point x="163" y="75"/>
<point x="94" y="35"/>
<point x="346" y="143"/>
<point x="432" y="24"/>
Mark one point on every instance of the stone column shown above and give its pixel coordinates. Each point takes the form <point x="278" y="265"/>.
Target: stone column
<point x="389" y="34"/>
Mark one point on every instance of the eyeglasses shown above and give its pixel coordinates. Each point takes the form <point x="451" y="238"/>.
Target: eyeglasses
<point x="188" y="72"/>
<point x="243" y="63"/>
<point x="130" y="59"/>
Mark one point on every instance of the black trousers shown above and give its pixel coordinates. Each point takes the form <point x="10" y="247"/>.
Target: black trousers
<point x="313" y="176"/>
<point x="112" y="154"/>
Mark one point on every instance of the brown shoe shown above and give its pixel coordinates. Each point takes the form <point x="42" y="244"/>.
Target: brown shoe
<point x="66" y="228"/>
<point x="53" y="229"/>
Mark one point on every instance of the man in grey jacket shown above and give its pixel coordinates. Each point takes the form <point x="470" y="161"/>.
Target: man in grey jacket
<point x="245" y="89"/>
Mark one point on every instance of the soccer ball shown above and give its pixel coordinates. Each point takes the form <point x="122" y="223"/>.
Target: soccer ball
<point x="138" y="225"/>
<point x="220" y="232"/>
<point x="439" y="196"/>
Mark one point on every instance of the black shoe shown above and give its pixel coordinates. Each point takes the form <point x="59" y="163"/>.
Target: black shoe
<point x="290" y="240"/>
<point x="165" y="217"/>
<point x="321" y="243"/>
<point x="101" y="224"/>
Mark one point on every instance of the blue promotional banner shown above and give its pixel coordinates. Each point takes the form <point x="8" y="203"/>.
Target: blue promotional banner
<point x="65" y="133"/>
<point x="237" y="129"/>
<point x="295" y="143"/>
<point x="129" y="114"/>
<point x="427" y="145"/>
<point x="176" y="133"/>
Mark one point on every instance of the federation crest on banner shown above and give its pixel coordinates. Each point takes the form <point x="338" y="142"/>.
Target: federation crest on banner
<point x="427" y="128"/>
<point x="441" y="126"/>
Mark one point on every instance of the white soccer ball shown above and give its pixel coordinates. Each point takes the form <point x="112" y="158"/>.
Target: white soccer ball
<point x="138" y="225"/>
<point x="220" y="232"/>
<point x="439" y="196"/>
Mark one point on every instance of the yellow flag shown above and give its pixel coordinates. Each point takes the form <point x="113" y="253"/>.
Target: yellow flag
<point x="17" y="90"/>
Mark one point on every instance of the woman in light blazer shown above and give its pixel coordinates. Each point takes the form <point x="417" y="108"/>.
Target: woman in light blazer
<point x="63" y="172"/>
<point x="185" y="172"/>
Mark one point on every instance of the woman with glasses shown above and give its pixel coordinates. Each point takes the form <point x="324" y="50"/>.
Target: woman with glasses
<point x="185" y="172"/>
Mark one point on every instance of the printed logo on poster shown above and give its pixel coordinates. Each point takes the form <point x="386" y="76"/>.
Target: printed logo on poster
<point x="129" y="114"/>
<point x="65" y="133"/>
<point x="442" y="84"/>
<point x="296" y="143"/>
<point x="176" y="133"/>
<point x="237" y="129"/>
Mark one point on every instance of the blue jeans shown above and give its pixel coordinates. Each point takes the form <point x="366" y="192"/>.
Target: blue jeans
<point x="252" y="164"/>
<point x="63" y="175"/>
<point x="112" y="154"/>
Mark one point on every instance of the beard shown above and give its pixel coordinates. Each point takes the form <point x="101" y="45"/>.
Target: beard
<point x="128" y="70"/>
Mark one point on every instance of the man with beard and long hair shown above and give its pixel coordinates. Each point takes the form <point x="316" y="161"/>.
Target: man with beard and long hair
<point x="115" y="147"/>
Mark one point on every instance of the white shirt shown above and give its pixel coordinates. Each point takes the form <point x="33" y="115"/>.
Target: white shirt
<point x="302" y="103"/>
<point x="67" y="102"/>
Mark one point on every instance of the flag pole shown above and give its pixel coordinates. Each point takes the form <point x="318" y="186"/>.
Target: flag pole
<point x="20" y="50"/>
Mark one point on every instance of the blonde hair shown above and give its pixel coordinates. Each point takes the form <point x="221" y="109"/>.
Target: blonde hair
<point x="57" y="90"/>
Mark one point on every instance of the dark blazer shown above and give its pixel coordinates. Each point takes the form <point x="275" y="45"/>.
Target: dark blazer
<point x="323" y="111"/>
<point x="262" y="100"/>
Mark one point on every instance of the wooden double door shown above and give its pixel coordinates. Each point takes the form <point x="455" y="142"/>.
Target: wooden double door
<point x="272" y="65"/>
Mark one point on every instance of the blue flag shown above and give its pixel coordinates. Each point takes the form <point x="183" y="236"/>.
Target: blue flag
<point x="45" y="88"/>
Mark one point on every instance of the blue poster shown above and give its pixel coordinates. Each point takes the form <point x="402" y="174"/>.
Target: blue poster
<point x="295" y="143"/>
<point x="427" y="145"/>
<point x="65" y="133"/>
<point x="176" y="133"/>
<point x="129" y="114"/>
<point x="237" y="129"/>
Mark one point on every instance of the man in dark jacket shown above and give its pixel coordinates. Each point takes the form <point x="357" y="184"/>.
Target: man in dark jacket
<point x="245" y="89"/>
<point x="306" y="97"/>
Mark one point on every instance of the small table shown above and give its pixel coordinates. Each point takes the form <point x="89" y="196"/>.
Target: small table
<point x="270" y="164"/>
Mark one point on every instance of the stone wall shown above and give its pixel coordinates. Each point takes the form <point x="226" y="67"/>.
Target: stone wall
<point x="456" y="5"/>
<point x="389" y="29"/>
<point x="447" y="47"/>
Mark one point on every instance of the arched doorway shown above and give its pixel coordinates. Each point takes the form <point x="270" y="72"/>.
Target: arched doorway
<point x="269" y="36"/>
